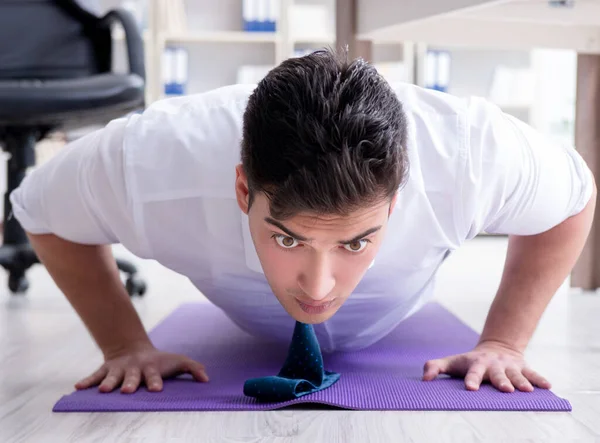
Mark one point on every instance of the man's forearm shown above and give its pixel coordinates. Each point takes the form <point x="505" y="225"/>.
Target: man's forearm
<point x="535" y="268"/>
<point x="88" y="277"/>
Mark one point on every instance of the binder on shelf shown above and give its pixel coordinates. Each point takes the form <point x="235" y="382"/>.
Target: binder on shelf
<point x="430" y="69"/>
<point x="260" y="15"/>
<point x="272" y="15"/>
<point x="249" y="15"/>
<point x="443" y="75"/>
<point x="437" y="70"/>
<point x="175" y="71"/>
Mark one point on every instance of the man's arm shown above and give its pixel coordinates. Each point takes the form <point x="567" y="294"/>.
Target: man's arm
<point x="89" y="278"/>
<point x="73" y="208"/>
<point x="541" y="193"/>
<point x="535" y="268"/>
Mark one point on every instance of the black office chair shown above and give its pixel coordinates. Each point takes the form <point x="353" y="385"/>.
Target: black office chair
<point x="56" y="73"/>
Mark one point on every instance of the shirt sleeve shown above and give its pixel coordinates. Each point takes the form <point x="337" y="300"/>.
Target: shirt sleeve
<point x="516" y="180"/>
<point x="81" y="193"/>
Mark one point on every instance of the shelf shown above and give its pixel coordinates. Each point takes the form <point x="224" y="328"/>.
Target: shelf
<point x="316" y="40"/>
<point x="221" y="37"/>
<point x="505" y="24"/>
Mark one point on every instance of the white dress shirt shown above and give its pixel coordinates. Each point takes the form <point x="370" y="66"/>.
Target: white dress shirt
<point x="162" y="184"/>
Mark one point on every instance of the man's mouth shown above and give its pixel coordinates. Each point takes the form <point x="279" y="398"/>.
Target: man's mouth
<point x="315" y="309"/>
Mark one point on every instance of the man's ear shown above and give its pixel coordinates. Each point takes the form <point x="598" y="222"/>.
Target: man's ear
<point x="242" y="192"/>
<point x="393" y="203"/>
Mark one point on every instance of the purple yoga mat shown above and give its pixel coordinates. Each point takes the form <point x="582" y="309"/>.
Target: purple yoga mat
<point x="385" y="376"/>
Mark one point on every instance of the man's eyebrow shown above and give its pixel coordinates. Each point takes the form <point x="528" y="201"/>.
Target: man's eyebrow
<point x="360" y="236"/>
<point x="286" y="230"/>
<point x="305" y="239"/>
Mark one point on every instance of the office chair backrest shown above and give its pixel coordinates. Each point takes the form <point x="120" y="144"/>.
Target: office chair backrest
<point x="42" y="39"/>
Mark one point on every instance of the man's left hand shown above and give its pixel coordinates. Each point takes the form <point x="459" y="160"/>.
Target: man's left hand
<point x="489" y="361"/>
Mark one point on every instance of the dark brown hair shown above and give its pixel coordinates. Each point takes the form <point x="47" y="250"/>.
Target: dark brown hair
<point x="324" y="135"/>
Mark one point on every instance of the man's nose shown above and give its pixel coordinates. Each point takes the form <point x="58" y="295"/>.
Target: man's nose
<point x="317" y="281"/>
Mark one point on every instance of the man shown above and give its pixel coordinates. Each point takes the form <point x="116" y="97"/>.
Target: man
<point x="322" y="195"/>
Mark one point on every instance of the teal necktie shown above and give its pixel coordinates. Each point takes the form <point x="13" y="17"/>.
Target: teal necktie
<point x="302" y="372"/>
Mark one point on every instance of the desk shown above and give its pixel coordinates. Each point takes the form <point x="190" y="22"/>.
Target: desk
<point x="506" y="24"/>
<point x="500" y="24"/>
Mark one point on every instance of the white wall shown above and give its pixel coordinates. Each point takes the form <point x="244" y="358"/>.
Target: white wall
<point x="472" y="72"/>
<point x="216" y="64"/>
<point x="552" y="109"/>
<point x="387" y="53"/>
<point x="555" y="93"/>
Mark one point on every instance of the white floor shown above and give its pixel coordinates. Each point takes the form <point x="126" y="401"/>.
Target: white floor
<point x="44" y="349"/>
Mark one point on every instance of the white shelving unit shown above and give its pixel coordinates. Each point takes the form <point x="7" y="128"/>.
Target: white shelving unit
<point x="220" y="37"/>
<point x="323" y="41"/>
<point x="217" y="45"/>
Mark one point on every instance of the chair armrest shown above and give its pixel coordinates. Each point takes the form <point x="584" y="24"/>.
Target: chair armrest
<point x="133" y="38"/>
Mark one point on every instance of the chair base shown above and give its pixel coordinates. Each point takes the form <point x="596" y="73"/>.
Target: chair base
<point x="17" y="259"/>
<point x="16" y="254"/>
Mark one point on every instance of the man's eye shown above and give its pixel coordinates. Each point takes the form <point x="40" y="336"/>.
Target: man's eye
<point x="356" y="246"/>
<point x="285" y="241"/>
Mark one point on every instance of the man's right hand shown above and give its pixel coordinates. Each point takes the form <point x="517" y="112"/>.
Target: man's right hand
<point x="89" y="278"/>
<point x="146" y="364"/>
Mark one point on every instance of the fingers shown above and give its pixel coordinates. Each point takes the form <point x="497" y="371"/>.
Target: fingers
<point x="505" y="372"/>
<point x="475" y="376"/>
<point x="196" y="369"/>
<point x="499" y="379"/>
<point x="153" y="378"/>
<point x="518" y="380"/>
<point x="433" y="368"/>
<point x="112" y="380"/>
<point x="536" y="379"/>
<point x="93" y="379"/>
<point x="130" y="375"/>
<point x="505" y="379"/>
<point x="132" y="380"/>
<point x="185" y="365"/>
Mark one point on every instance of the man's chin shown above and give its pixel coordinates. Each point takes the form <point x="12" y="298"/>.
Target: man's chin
<point x="311" y="319"/>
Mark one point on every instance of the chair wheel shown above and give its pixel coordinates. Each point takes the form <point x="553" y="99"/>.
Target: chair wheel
<point x="18" y="284"/>
<point x="135" y="286"/>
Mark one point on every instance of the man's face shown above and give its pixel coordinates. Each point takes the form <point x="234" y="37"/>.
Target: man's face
<point x="313" y="263"/>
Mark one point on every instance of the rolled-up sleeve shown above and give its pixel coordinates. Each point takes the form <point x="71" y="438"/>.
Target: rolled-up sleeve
<point x="81" y="193"/>
<point x="517" y="180"/>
